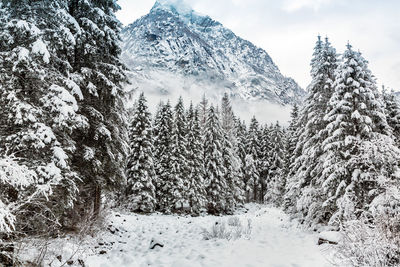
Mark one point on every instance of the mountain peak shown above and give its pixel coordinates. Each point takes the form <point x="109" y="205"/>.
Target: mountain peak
<point x="175" y="47"/>
<point x="181" y="9"/>
<point x="175" y="6"/>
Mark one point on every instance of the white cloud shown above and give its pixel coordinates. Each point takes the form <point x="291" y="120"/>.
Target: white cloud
<point x="293" y="5"/>
<point x="133" y="9"/>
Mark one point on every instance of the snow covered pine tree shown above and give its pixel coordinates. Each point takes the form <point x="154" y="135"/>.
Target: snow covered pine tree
<point x="360" y="151"/>
<point x="196" y="193"/>
<point x="140" y="190"/>
<point x="308" y="165"/>
<point x="232" y="163"/>
<point x="179" y="168"/>
<point x="277" y="182"/>
<point x="96" y="68"/>
<point x="253" y="148"/>
<point x="39" y="112"/>
<point x="62" y="115"/>
<point x="163" y="154"/>
<point x="214" y="165"/>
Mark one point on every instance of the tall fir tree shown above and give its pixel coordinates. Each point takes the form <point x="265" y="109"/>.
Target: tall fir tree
<point x="241" y="152"/>
<point x="214" y="165"/>
<point x="308" y="165"/>
<point x="392" y="111"/>
<point x="266" y="149"/>
<point x="355" y="158"/>
<point x="291" y="141"/>
<point x="250" y="174"/>
<point x="253" y="149"/>
<point x="291" y="138"/>
<point x="140" y="190"/>
<point x="277" y="182"/>
<point x="163" y="143"/>
<point x="179" y="167"/>
<point x="196" y="193"/>
<point x="97" y="70"/>
<point x="232" y="162"/>
<point x="40" y="111"/>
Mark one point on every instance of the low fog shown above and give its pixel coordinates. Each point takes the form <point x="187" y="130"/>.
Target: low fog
<point x="163" y="86"/>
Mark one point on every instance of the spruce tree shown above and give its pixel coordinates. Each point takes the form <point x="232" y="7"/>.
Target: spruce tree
<point x="216" y="186"/>
<point x="308" y="165"/>
<point x="232" y="163"/>
<point x="163" y="143"/>
<point x="140" y="190"/>
<point x="62" y="113"/>
<point x="97" y="70"/>
<point x="196" y="193"/>
<point x="266" y="148"/>
<point x="291" y="138"/>
<point x="250" y="174"/>
<point x="277" y="182"/>
<point x="291" y="141"/>
<point x="241" y="152"/>
<point x="359" y="147"/>
<point x="40" y="109"/>
<point x="179" y="167"/>
<point x="392" y="111"/>
<point x="253" y="149"/>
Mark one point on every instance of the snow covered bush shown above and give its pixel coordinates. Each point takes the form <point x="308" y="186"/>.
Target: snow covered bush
<point x="217" y="231"/>
<point x="374" y="240"/>
<point x="234" y="221"/>
<point x="367" y="244"/>
<point x="13" y="178"/>
<point x="231" y="230"/>
<point x="21" y="193"/>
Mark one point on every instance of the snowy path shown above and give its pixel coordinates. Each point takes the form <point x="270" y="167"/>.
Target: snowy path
<point x="275" y="241"/>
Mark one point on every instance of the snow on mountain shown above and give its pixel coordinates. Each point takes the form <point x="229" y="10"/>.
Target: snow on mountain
<point x="174" y="48"/>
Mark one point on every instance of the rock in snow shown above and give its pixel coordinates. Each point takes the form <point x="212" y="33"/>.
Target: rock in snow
<point x="329" y="237"/>
<point x="155" y="243"/>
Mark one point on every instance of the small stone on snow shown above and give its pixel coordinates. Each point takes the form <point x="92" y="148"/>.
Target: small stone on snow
<point x="155" y="243"/>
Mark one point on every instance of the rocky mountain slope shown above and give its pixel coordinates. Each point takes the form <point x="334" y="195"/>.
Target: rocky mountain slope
<point x="174" y="48"/>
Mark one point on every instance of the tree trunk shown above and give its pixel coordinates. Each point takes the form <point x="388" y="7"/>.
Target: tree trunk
<point x="96" y="202"/>
<point x="6" y="252"/>
<point x="255" y="193"/>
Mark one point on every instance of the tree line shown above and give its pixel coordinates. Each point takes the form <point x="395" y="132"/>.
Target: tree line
<point x="337" y="161"/>
<point x="203" y="158"/>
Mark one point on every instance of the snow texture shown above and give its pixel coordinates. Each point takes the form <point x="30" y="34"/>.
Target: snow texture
<point x="39" y="47"/>
<point x="274" y="241"/>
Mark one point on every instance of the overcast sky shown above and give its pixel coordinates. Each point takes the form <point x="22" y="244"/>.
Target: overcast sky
<point x="287" y="29"/>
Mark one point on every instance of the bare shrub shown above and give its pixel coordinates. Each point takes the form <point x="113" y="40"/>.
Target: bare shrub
<point x="231" y="230"/>
<point x="234" y="221"/>
<point x="217" y="231"/>
<point x="45" y="250"/>
<point x="370" y="244"/>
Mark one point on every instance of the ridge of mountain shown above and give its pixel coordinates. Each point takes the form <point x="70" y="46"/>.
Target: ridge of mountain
<point x="173" y="46"/>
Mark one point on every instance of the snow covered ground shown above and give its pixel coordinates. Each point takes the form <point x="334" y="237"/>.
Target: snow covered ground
<point x="274" y="241"/>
